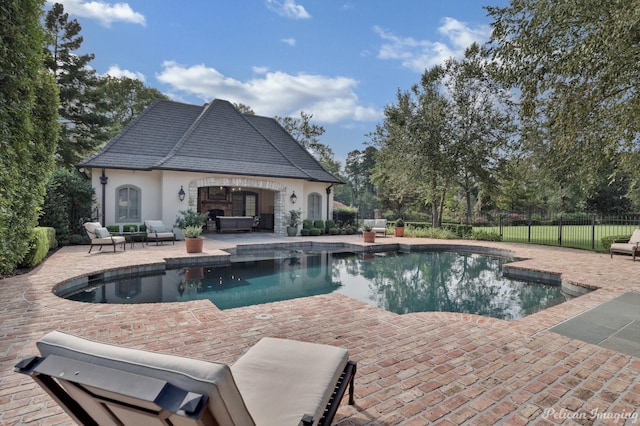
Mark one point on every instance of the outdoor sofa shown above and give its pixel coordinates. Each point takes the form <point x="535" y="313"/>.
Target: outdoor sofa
<point x="234" y="223"/>
<point x="627" y="246"/>
<point x="278" y="382"/>
<point x="100" y="236"/>
<point x="377" y="225"/>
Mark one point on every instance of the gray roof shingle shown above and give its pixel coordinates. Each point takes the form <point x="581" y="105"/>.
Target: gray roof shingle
<point x="214" y="138"/>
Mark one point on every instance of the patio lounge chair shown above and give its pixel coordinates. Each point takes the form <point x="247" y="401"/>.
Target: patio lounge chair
<point x="158" y="232"/>
<point x="100" y="236"/>
<point x="630" y="246"/>
<point x="277" y="382"/>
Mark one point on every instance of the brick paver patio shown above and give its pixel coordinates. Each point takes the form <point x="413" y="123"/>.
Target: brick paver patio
<point x="415" y="369"/>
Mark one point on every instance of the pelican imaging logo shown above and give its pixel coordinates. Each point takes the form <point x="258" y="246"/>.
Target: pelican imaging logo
<point x="595" y="414"/>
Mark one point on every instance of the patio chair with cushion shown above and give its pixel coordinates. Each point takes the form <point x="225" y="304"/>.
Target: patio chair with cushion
<point x="100" y="236"/>
<point x="627" y="246"/>
<point x="158" y="232"/>
<point x="277" y="382"/>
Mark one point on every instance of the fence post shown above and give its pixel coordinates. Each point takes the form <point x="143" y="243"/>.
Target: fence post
<point x="529" y="229"/>
<point x="593" y="232"/>
<point x="501" y="225"/>
<point x="560" y="231"/>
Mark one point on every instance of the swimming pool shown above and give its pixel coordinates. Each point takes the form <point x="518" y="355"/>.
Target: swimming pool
<point x="399" y="282"/>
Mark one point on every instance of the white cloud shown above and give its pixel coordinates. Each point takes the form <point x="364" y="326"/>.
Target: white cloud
<point x="418" y="55"/>
<point x="105" y="13"/>
<point x="289" y="41"/>
<point x="329" y="99"/>
<point x="116" y="71"/>
<point x="288" y="8"/>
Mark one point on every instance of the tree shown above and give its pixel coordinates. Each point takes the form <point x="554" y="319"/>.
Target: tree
<point x="481" y="121"/>
<point x="28" y="125"/>
<point x="123" y="99"/>
<point x="575" y="63"/>
<point x="414" y="153"/>
<point x="84" y="126"/>
<point x="308" y="135"/>
<point x="68" y="201"/>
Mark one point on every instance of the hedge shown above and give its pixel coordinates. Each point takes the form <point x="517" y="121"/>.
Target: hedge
<point x="42" y="240"/>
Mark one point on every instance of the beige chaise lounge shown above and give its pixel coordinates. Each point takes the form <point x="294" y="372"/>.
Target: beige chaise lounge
<point x="100" y="236"/>
<point x="377" y="225"/>
<point x="276" y="383"/>
<point x="630" y="246"/>
<point x="158" y="232"/>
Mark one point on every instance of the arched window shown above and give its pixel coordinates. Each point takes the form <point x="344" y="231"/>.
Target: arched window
<point x="314" y="206"/>
<point x="128" y="199"/>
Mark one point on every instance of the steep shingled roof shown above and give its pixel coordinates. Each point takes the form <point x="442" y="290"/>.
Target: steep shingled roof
<point x="214" y="138"/>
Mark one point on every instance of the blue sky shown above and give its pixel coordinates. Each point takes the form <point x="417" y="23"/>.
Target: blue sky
<point x="341" y="61"/>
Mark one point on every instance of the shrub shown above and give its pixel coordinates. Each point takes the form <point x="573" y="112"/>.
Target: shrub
<point x="329" y="224"/>
<point x="77" y="239"/>
<point x="190" y="218"/>
<point x="129" y="228"/>
<point x="305" y="232"/>
<point x="334" y="231"/>
<point x="399" y="223"/>
<point x="319" y="223"/>
<point x="114" y="229"/>
<point x="307" y="224"/>
<point x="485" y="236"/>
<point x="314" y="232"/>
<point x="38" y="247"/>
<point x="439" y="233"/>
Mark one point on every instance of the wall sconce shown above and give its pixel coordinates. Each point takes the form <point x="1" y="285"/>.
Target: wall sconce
<point x="293" y="197"/>
<point x="181" y="193"/>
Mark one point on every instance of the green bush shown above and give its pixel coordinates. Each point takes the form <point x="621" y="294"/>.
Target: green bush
<point x="305" y="232"/>
<point x="438" y="233"/>
<point x="482" y="235"/>
<point x="38" y="247"/>
<point x="609" y="239"/>
<point x="329" y="224"/>
<point x="307" y="224"/>
<point x="334" y="231"/>
<point x="77" y="239"/>
<point x="314" y="232"/>
<point x="461" y="231"/>
<point x="114" y="229"/>
<point x="319" y="224"/>
<point x="129" y="228"/>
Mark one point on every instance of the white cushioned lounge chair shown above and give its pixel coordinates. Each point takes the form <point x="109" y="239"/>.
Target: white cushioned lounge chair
<point x="277" y="382"/>
<point x="100" y="236"/>
<point x="630" y="246"/>
<point x="158" y="232"/>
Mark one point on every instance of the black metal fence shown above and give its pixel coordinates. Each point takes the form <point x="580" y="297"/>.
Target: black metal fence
<point x="579" y="231"/>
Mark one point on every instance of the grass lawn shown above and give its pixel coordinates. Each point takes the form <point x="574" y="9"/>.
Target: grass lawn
<point x="579" y="236"/>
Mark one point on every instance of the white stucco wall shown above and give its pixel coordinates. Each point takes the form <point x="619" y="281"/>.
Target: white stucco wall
<point x="159" y="191"/>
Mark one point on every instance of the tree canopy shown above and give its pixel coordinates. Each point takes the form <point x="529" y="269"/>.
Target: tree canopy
<point x="576" y="65"/>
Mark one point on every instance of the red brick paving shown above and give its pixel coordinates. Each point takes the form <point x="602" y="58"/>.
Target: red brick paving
<point x="416" y="369"/>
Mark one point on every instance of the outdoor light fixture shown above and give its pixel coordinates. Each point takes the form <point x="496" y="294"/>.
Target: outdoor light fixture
<point x="181" y="193"/>
<point x="293" y="197"/>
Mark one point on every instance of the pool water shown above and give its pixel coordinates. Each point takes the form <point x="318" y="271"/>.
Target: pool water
<point x="396" y="281"/>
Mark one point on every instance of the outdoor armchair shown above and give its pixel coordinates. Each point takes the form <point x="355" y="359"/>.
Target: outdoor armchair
<point x="277" y="382"/>
<point x="100" y="236"/>
<point x="158" y="232"/>
<point x="630" y="246"/>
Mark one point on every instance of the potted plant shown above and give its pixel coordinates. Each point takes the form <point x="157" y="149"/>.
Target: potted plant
<point x="368" y="235"/>
<point x="191" y="223"/>
<point x="399" y="228"/>
<point x="292" y="220"/>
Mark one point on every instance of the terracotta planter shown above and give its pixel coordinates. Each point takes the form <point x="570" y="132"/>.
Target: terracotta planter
<point x="369" y="236"/>
<point x="398" y="231"/>
<point x="194" y="245"/>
